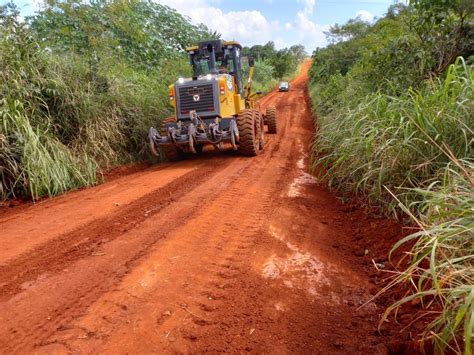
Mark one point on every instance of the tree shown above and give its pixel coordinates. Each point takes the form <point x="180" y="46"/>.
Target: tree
<point x="298" y="52"/>
<point x="204" y="33"/>
<point x="350" y="30"/>
<point x="283" y="62"/>
<point x="445" y="29"/>
<point x="260" y="52"/>
<point x="141" y="32"/>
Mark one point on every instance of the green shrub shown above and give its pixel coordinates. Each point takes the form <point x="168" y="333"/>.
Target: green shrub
<point x="264" y="76"/>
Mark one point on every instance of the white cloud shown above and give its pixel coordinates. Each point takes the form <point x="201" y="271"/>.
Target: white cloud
<point x="251" y="27"/>
<point x="308" y="6"/>
<point x="365" y="15"/>
<point x="308" y="32"/>
<point x="305" y="30"/>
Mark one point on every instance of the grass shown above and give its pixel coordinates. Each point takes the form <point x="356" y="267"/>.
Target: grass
<point x="34" y="162"/>
<point x="412" y="155"/>
<point x="388" y="143"/>
<point x="446" y="241"/>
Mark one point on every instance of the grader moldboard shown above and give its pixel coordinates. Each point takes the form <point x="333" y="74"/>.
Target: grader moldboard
<point x="213" y="107"/>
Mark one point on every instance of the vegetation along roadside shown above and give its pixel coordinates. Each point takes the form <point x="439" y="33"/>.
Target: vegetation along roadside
<point x="393" y="102"/>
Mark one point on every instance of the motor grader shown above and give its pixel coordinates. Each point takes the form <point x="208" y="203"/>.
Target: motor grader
<point x="216" y="106"/>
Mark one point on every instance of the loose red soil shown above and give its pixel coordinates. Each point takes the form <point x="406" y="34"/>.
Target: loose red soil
<point x="218" y="253"/>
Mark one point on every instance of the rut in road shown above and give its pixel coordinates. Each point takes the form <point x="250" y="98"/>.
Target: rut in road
<point x="233" y="254"/>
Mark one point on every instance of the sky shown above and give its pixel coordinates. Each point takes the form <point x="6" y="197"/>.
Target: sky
<point x="285" y="22"/>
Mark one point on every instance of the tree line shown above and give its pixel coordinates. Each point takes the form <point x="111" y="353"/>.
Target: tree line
<point x="284" y="61"/>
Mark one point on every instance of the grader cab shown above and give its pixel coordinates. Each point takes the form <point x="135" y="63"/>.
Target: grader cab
<point x="216" y="106"/>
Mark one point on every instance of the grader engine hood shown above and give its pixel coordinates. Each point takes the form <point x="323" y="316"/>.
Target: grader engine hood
<point x="201" y="95"/>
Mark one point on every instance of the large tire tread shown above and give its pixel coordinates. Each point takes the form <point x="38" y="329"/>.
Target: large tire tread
<point x="272" y="119"/>
<point x="249" y="142"/>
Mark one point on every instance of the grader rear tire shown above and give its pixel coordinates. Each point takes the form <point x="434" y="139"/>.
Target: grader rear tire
<point x="272" y="119"/>
<point x="170" y="153"/>
<point x="248" y="125"/>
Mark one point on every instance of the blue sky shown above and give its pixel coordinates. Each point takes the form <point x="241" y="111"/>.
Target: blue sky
<point x="286" y="22"/>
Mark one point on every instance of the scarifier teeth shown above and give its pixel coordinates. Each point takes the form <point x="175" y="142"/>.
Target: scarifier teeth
<point x="151" y="138"/>
<point x="152" y="133"/>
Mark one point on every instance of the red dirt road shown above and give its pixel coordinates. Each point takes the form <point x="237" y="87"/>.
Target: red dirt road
<point x="218" y="253"/>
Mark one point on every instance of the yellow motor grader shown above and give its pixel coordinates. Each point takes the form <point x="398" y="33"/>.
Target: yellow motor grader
<point x="214" y="107"/>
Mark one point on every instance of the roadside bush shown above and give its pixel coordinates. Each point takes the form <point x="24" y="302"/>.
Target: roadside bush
<point x="264" y="79"/>
<point x="33" y="162"/>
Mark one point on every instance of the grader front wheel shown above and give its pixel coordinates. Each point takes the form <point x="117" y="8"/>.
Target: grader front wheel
<point x="272" y="119"/>
<point x="248" y="125"/>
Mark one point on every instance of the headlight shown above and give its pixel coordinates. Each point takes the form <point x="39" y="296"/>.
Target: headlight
<point x="180" y="80"/>
<point x="208" y="76"/>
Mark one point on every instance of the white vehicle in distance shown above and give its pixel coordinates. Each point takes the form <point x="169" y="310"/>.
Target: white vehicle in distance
<point x="283" y="86"/>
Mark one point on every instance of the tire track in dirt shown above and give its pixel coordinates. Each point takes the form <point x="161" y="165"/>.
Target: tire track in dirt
<point x="227" y="240"/>
<point x="185" y="268"/>
<point x="29" y="226"/>
<point x="58" y="253"/>
<point x="232" y="275"/>
<point x="93" y="236"/>
<point x="81" y="291"/>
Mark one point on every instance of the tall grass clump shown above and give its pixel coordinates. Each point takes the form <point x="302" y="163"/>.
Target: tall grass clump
<point x="441" y="265"/>
<point x="391" y="143"/>
<point x="67" y="121"/>
<point x="33" y="161"/>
